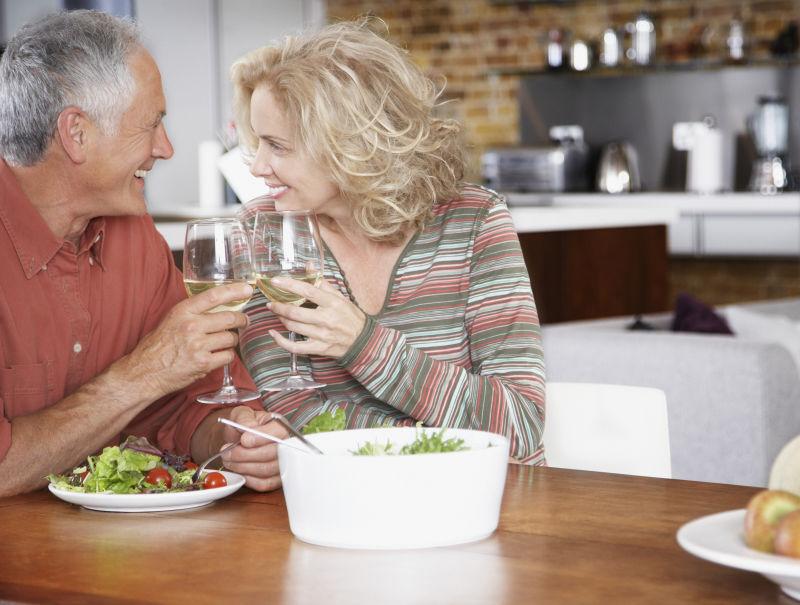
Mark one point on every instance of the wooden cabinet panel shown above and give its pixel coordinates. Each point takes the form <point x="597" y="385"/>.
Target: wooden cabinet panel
<point x="594" y="273"/>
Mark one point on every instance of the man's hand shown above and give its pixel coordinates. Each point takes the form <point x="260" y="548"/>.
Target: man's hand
<point x="256" y="458"/>
<point x="189" y="343"/>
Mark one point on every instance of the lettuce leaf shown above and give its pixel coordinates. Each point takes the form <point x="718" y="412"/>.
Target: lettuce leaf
<point x="326" y="421"/>
<point x="425" y="443"/>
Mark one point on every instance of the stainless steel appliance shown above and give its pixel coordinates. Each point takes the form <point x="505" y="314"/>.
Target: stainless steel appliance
<point x="611" y="48"/>
<point x="618" y="170"/>
<point x="555" y="49"/>
<point x="558" y="167"/>
<point x="769" y="129"/>
<point x="580" y="55"/>
<point x="642" y="30"/>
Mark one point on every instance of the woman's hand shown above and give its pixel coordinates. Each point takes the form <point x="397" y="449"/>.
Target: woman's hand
<point x="330" y="329"/>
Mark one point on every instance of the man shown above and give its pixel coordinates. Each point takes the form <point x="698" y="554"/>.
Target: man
<point x="97" y="337"/>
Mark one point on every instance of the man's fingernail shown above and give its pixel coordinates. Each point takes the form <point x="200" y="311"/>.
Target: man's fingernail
<point x="279" y="281"/>
<point x="247" y="289"/>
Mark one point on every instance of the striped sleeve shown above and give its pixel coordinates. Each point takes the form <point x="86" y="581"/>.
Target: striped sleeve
<point x="504" y="391"/>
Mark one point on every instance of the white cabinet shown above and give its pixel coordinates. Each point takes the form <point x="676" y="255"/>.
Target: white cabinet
<point x="750" y="235"/>
<point x="735" y="235"/>
<point x="682" y="236"/>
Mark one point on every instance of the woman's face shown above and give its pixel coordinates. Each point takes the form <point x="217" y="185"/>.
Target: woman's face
<point x="294" y="180"/>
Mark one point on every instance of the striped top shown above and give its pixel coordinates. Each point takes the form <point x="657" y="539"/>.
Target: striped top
<point x="456" y="344"/>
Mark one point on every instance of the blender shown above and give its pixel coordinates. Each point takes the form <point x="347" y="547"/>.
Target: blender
<point x="769" y="129"/>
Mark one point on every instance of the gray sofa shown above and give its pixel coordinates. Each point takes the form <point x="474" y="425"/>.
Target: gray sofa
<point x="732" y="402"/>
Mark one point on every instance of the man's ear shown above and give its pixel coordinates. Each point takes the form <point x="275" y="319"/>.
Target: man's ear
<point x="73" y="131"/>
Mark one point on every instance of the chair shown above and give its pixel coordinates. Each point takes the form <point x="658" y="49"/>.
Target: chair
<point x="608" y="428"/>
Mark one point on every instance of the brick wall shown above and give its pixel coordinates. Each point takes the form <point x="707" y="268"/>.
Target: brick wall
<point x="468" y="41"/>
<point x="464" y="40"/>
<point x="725" y="281"/>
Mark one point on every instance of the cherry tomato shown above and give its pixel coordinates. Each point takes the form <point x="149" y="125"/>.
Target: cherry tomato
<point x="83" y="476"/>
<point x="189" y="465"/>
<point x="159" y="476"/>
<point x="214" y="480"/>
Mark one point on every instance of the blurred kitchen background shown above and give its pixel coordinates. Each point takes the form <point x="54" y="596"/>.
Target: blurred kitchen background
<point x="571" y="105"/>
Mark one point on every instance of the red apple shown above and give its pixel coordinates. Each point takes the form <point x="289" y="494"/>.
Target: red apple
<point x="787" y="535"/>
<point x="764" y="512"/>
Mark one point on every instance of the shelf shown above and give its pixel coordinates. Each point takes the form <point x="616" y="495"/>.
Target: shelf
<point x="639" y="70"/>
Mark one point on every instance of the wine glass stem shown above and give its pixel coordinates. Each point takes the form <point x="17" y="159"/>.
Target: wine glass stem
<point x="293" y="356"/>
<point x="227" y="381"/>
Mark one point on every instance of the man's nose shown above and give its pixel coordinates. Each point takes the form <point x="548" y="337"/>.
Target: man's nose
<point x="162" y="146"/>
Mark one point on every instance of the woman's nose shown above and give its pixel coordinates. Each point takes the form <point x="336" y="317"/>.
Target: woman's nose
<point x="260" y="165"/>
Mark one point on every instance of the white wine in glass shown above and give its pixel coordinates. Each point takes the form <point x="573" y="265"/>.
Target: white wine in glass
<point x="217" y="253"/>
<point x="275" y="294"/>
<point x="287" y="244"/>
<point x="196" y="286"/>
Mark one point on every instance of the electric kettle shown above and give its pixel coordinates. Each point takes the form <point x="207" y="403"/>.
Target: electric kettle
<point x="618" y="170"/>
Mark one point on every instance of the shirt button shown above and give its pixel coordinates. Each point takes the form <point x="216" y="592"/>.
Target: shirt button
<point x="44" y="267"/>
<point x="77" y="347"/>
<point x="91" y="261"/>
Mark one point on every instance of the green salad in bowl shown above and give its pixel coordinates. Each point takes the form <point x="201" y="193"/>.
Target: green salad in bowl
<point x="425" y="443"/>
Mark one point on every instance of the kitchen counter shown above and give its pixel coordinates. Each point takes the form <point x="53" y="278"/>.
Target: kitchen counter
<point x="718" y="225"/>
<point x="536" y="217"/>
<point x="585" y="260"/>
<point x="684" y="203"/>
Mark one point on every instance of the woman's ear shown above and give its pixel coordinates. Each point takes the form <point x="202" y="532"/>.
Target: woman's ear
<point x="72" y="131"/>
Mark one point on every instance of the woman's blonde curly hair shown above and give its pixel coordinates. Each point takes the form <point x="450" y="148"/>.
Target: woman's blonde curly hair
<point x="362" y="110"/>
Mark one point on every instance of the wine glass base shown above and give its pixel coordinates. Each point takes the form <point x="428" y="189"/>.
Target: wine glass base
<point x="228" y="396"/>
<point x="292" y="383"/>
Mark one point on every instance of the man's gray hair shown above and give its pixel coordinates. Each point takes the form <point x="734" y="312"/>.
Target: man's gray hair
<point x="75" y="58"/>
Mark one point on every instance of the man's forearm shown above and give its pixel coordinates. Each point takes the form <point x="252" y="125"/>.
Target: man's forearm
<point x="61" y="436"/>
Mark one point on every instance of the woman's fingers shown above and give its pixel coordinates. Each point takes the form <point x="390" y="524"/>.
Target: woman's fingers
<point x="298" y="347"/>
<point x="312" y="293"/>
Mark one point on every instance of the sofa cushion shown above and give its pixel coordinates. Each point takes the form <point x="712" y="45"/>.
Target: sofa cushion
<point x="693" y="315"/>
<point x="765" y="328"/>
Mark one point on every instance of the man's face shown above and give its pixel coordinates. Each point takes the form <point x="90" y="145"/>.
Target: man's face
<point x="117" y="164"/>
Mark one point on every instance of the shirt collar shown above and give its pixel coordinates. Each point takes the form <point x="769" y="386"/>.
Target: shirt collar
<point x="32" y="239"/>
<point x="92" y="240"/>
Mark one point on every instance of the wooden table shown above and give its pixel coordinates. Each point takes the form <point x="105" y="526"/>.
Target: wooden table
<point x="564" y="537"/>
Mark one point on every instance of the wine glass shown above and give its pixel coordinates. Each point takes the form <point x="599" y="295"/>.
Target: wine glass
<point x="216" y="253"/>
<point x="286" y="244"/>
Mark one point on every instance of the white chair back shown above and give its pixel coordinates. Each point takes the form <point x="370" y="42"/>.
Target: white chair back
<point x="608" y="428"/>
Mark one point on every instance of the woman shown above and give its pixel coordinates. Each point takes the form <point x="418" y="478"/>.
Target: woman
<point x="426" y="311"/>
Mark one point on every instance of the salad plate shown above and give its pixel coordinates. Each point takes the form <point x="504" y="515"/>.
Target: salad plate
<point x="148" y="503"/>
<point x="719" y="538"/>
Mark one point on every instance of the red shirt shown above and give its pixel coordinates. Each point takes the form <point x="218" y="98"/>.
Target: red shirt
<point x="66" y="314"/>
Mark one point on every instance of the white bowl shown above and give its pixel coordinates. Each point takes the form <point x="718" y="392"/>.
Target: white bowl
<point x="387" y="502"/>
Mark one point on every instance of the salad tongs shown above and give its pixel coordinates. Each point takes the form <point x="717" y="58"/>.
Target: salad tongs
<point x="311" y="448"/>
<point x="290" y="427"/>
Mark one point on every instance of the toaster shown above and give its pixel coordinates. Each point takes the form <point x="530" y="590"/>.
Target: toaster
<point x="561" y="166"/>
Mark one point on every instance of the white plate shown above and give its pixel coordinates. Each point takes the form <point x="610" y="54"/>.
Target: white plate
<point x="147" y="503"/>
<point x="719" y="538"/>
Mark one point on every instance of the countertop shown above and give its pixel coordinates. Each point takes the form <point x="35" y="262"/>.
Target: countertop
<point x="684" y="203"/>
<point x="529" y="215"/>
